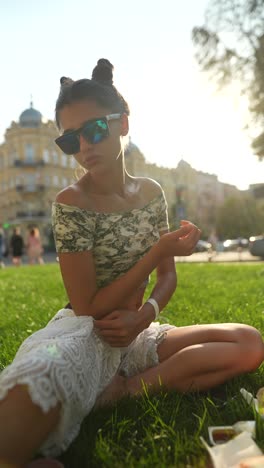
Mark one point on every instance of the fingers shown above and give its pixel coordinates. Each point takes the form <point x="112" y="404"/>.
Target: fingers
<point x="187" y="235"/>
<point x="192" y="240"/>
<point x="183" y="231"/>
<point x="109" y="321"/>
<point x="106" y="324"/>
<point x="112" y="333"/>
<point x="186" y="230"/>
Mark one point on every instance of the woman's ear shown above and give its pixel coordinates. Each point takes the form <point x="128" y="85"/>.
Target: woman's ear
<point x="124" y="124"/>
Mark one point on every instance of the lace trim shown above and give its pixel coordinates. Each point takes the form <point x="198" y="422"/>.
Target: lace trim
<point x="65" y="363"/>
<point x="142" y="353"/>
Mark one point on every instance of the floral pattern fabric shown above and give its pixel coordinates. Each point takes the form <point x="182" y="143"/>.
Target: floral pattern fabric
<point x="118" y="240"/>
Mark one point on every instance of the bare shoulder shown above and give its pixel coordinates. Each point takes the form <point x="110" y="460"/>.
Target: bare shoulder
<point x="70" y="195"/>
<point x="149" y="188"/>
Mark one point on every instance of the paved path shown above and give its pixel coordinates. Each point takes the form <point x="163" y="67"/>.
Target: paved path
<point x="220" y="257"/>
<point x="223" y="257"/>
<point x="48" y="258"/>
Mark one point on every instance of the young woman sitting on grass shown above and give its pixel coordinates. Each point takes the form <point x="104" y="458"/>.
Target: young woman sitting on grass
<point x="111" y="232"/>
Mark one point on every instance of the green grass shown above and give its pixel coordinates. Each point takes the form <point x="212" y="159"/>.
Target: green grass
<point x="164" y="430"/>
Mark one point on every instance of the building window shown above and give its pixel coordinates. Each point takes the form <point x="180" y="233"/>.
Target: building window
<point x="55" y="157"/>
<point x="30" y="179"/>
<point x="73" y="163"/>
<point x="64" y="160"/>
<point x="30" y="182"/>
<point x="55" y="180"/>
<point x="29" y="153"/>
<point x="46" y="156"/>
<point x="47" y="180"/>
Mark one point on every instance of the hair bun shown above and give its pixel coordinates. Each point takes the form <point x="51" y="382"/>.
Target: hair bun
<point x="65" y="80"/>
<point x="103" y="72"/>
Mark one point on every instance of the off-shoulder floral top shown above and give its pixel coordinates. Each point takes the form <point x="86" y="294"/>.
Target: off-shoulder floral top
<point x="118" y="240"/>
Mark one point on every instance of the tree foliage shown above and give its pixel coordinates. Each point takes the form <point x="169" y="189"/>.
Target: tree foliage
<point x="239" y="217"/>
<point x="230" y="46"/>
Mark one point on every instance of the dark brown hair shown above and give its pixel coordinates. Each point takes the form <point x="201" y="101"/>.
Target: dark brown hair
<point x="99" y="89"/>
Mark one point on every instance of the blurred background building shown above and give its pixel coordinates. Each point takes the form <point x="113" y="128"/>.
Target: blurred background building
<point x="33" y="170"/>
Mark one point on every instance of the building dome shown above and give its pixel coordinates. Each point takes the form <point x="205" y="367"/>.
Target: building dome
<point x="30" y="117"/>
<point x="131" y="147"/>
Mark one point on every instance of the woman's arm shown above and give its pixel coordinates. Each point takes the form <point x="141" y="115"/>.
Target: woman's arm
<point x="78" y="272"/>
<point x="165" y="286"/>
<point x="120" y="327"/>
<point x="166" y="283"/>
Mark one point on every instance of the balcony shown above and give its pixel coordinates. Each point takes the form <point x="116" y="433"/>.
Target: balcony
<point x="25" y="163"/>
<point x="26" y="188"/>
<point x="31" y="214"/>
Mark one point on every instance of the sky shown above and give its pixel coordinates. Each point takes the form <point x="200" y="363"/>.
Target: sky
<point x="176" y="112"/>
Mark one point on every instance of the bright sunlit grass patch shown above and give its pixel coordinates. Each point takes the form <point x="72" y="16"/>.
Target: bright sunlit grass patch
<point x="159" y="431"/>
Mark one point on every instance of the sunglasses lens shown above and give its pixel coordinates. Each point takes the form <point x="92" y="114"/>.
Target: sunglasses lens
<point x="69" y="144"/>
<point x="96" y="131"/>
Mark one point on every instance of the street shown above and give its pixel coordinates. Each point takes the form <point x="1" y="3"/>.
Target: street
<point x="220" y="257"/>
<point x="199" y="257"/>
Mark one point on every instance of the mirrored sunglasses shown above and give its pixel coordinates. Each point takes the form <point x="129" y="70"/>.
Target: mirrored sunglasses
<point x="94" y="131"/>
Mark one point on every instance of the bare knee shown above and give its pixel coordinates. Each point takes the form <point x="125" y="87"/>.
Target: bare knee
<point x="26" y="425"/>
<point x="251" y="346"/>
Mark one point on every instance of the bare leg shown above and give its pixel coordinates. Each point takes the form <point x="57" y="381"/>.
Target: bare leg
<point x="25" y="426"/>
<point x="196" y="358"/>
<point x="201" y="357"/>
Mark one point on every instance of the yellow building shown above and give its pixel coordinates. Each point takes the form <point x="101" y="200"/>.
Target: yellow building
<point x="137" y="165"/>
<point x="32" y="171"/>
<point x="191" y="194"/>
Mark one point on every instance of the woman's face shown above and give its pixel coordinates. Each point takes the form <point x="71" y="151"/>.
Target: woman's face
<point x="99" y="156"/>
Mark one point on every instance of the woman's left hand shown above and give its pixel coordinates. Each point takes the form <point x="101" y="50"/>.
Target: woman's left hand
<point x="119" y="328"/>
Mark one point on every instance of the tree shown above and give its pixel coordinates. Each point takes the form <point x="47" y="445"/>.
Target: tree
<point x="230" y="46"/>
<point x="239" y="217"/>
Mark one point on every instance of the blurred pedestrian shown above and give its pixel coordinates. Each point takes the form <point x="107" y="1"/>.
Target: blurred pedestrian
<point x="34" y="247"/>
<point x="213" y="239"/>
<point x="17" y="247"/>
<point x="2" y="247"/>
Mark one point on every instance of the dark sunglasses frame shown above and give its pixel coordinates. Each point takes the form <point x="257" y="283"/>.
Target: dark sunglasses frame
<point x="92" y="130"/>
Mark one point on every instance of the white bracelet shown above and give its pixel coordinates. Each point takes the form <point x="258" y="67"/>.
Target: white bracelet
<point x="155" y="305"/>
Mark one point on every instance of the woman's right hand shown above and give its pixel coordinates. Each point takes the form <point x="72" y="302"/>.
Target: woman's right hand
<point x="181" y="242"/>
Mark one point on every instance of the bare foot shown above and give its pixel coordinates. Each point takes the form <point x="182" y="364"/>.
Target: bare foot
<point x="113" y="392"/>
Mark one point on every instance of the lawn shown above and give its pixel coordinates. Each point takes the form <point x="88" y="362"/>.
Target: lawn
<point x="160" y="431"/>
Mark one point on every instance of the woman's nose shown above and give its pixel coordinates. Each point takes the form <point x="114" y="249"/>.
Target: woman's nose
<point x="84" y="143"/>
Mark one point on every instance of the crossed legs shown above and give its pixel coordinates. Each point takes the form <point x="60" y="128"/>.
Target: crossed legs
<point x="202" y="356"/>
<point x="195" y="357"/>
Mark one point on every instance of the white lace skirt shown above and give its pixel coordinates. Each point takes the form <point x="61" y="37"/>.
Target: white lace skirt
<point x="67" y="362"/>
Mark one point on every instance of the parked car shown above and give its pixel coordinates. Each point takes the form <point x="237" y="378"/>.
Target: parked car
<point x="203" y="246"/>
<point x="256" y="246"/>
<point x="230" y="245"/>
